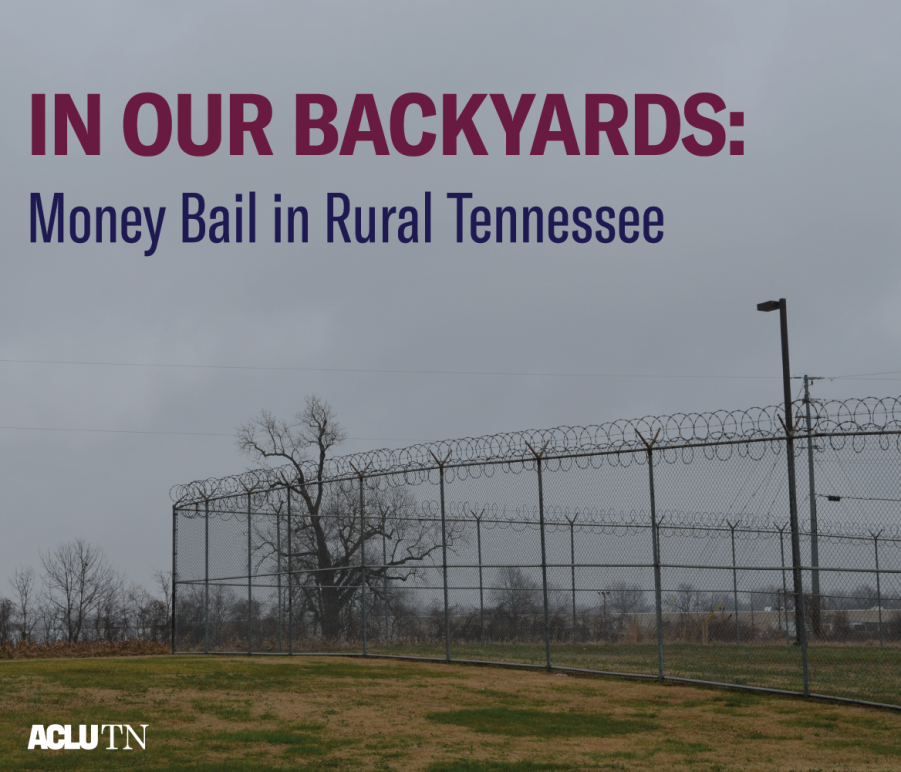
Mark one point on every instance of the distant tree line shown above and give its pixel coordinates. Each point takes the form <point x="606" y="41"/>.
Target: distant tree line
<point x="79" y="596"/>
<point x="512" y="612"/>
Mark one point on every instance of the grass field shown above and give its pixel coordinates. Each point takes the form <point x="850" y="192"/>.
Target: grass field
<point x="854" y="672"/>
<point x="239" y="713"/>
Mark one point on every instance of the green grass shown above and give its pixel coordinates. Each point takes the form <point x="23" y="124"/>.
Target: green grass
<point x="876" y="748"/>
<point x="538" y="723"/>
<point x="853" y="672"/>
<point x="684" y="748"/>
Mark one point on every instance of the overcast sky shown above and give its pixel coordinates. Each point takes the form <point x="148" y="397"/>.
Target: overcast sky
<point x="428" y="341"/>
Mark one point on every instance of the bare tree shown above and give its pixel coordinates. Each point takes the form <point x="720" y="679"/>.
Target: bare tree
<point x="687" y="599"/>
<point x="78" y="582"/>
<point x="517" y="597"/>
<point x="7" y="611"/>
<point x="626" y="598"/>
<point x="22" y="582"/>
<point x="161" y="615"/>
<point x="44" y="621"/>
<point x="863" y="596"/>
<point x="516" y="593"/>
<point x="136" y="612"/>
<point x="327" y="537"/>
<point x="114" y="614"/>
<point x="222" y="617"/>
<point x="164" y="582"/>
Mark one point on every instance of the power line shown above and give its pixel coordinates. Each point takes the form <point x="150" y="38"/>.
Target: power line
<point x="860" y="377"/>
<point x="854" y="378"/>
<point x="376" y="370"/>
<point x="381" y="371"/>
<point x="868" y="375"/>
<point x="175" y="434"/>
<point x="112" y="431"/>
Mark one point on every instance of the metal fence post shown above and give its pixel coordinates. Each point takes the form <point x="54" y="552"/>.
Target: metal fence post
<point x="878" y="585"/>
<point x="206" y="577"/>
<point x="447" y="650"/>
<point x="385" y="576"/>
<point x="290" y="588"/>
<point x="655" y="543"/>
<point x="784" y="585"/>
<point x="572" y="567"/>
<point x="249" y="582"/>
<point x="363" y="560"/>
<point x="797" y="576"/>
<point x="734" y="583"/>
<point x="816" y="611"/>
<point x="278" y="575"/>
<point x="481" y="586"/>
<point x="174" y="572"/>
<point x="547" y="621"/>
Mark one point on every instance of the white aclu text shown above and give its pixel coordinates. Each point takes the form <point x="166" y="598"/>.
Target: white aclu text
<point x="59" y="737"/>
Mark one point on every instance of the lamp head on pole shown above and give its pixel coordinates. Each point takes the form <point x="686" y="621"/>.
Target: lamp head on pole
<point x="769" y="305"/>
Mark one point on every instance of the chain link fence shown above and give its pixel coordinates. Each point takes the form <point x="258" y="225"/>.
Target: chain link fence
<point x="658" y="548"/>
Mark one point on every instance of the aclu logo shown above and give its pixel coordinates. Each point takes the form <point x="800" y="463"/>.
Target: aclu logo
<point x="59" y="737"/>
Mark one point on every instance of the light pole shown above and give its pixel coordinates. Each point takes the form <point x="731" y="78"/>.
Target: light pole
<point x="800" y="631"/>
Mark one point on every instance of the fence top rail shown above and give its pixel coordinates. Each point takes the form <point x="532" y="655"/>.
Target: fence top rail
<point x="838" y="421"/>
<point x="670" y="523"/>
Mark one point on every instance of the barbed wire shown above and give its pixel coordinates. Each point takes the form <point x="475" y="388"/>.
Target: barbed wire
<point x="680" y="437"/>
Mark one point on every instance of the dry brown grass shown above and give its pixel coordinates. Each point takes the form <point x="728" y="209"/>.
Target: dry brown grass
<point x="32" y="650"/>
